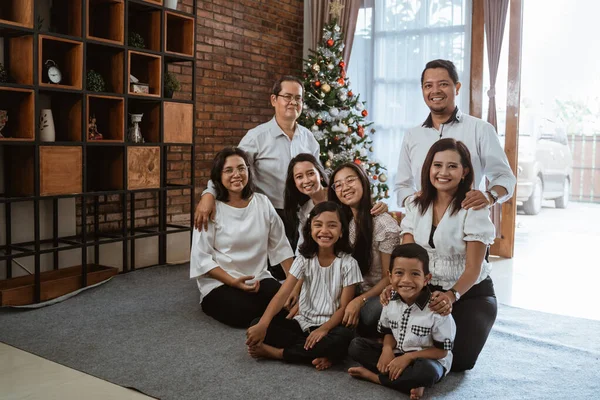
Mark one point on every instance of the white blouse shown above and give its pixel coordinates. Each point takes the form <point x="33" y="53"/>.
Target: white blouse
<point x="321" y="292"/>
<point x="385" y="238"/>
<point x="448" y="260"/>
<point x="239" y="241"/>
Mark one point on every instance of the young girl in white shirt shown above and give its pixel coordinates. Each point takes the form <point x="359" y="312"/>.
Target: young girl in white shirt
<point x="229" y="259"/>
<point x="315" y="335"/>
<point x="456" y="240"/>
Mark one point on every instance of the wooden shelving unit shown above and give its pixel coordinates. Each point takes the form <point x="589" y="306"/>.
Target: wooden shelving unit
<point x="80" y="36"/>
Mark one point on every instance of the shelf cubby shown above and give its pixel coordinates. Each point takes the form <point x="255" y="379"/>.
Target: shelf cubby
<point x="60" y="170"/>
<point x="150" y="125"/>
<point x="178" y="122"/>
<point x="109" y="112"/>
<point x="61" y="16"/>
<point x="19" y="167"/>
<point x="143" y="167"/>
<point x="108" y="62"/>
<point x="145" y="21"/>
<point x="147" y="68"/>
<point x="20" y="106"/>
<point x="19" y="60"/>
<point x="106" y="21"/>
<point x="179" y="34"/>
<point x="67" y="111"/>
<point x="155" y="2"/>
<point x="104" y="167"/>
<point x="17" y="13"/>
<point x="68" y="56"/>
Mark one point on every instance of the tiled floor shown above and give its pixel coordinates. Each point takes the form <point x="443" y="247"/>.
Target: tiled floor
<point x="554" y="270"/>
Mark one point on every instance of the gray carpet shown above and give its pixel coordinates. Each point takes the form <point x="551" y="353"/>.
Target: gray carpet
<point x="145" y="330"/>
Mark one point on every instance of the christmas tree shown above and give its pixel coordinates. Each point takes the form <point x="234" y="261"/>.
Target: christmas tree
<point x="335" y="114"/>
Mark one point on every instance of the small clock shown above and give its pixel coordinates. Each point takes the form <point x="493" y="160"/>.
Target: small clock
<point x="54" y="74"/>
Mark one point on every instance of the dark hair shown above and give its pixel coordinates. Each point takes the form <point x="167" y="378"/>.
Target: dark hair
<point x="411" y="250"/>
<point x="428" y="191"/>
<point x="446" y="64"/>
<point x="292" y="198"/>
<point x="217" y="170"/>
<point x="286" y="78"/>
<point x="309" y="248"/>
<point x="364" y="222"/>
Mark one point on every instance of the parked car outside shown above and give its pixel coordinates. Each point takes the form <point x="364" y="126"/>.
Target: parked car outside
<point x="545" y="167"/>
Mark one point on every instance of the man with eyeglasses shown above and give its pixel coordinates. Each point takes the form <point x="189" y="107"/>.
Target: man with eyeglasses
<point x="270" y="147"/>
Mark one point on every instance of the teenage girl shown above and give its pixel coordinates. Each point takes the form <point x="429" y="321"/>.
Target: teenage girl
<point x="329" y="273"/>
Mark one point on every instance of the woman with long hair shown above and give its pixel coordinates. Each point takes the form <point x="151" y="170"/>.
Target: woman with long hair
<point x="456" y="240"/>
<point x="373" y="239"/>
<point x="231" y="269"/>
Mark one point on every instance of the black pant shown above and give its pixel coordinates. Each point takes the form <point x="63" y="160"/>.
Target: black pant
<point x="237" y="308"/>
<point x="421" y="373"/>
<point x="286" y="334"/>
<point x="474" y="315"/>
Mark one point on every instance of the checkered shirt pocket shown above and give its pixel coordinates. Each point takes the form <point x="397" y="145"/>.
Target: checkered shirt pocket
<point x="393" y="324"/>
<point x="420" y="330"/>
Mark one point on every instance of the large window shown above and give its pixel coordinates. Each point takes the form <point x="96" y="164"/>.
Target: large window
<point x="394" y="40"/>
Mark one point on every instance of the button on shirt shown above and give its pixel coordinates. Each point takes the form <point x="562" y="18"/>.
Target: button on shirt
<point x="269" y="151"/>
<point x="487" y="156"/>
<point x="416" y="327"/>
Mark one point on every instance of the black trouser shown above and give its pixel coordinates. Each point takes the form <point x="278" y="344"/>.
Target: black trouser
<point x="421" y="373"/>
<point x="474" y="315"/>
<point x="236" y="307"/>
<point x="277" y="270"/>
<point x="286" y="334"/>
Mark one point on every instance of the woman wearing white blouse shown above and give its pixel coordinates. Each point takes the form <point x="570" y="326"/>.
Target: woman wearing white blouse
<point x="456" y="240"/>
<point x="229" y="260"/>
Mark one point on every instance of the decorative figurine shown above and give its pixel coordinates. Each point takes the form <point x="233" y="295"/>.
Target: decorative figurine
<point x="93" y="133"/>
<point x="135" y="134"/>
<point x="3" y="120"/>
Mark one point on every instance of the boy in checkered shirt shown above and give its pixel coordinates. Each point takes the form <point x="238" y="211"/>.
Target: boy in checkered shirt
<point x="415" y="352"/>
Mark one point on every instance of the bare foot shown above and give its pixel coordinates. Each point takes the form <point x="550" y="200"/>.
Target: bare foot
<point x="363" y="373"/>
<point x="416" y="393"/>
<point x="322" y="363"/>
<point x="265" y="351"/>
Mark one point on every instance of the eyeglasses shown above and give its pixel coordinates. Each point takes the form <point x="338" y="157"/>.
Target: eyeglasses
<point x="289" y="97"/>
<point x="349" y="181"/>
<point x="242" y="170"/>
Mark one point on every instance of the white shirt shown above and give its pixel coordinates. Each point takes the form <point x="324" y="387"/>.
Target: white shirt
<point x="416" y="327"/>
<point x="321" y="292"/>
<point x="270" y="151"/>
<point x="448" y="259"/>
<point x="239" y="241"/>
<point x="487" y="156"/>
<point x="386" y="236"/>
<point x="303" y="214"/>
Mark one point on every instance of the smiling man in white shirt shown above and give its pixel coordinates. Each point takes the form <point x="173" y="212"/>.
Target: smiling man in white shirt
<point x="440" y="85"/>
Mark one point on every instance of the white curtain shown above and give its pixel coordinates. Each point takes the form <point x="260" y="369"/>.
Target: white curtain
<point x="394" y="40"/>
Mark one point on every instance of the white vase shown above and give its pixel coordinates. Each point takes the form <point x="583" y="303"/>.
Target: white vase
<point x="172" y="4"/>
<point x="47" y="132"/>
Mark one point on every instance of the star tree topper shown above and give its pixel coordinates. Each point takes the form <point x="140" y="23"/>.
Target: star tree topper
<point x="335" y="9"/>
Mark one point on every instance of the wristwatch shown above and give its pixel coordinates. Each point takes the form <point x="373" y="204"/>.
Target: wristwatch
<point x="455" y="293"/>
<point x="494" y="195"/>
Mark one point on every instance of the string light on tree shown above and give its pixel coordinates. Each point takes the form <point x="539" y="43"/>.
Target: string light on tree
<point x="334" y="113"/>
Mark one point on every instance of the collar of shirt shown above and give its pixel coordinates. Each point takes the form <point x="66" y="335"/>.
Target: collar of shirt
<point x="276" y="130"/>
<point x="455" y="117"/>
<point x="421" y="301"/>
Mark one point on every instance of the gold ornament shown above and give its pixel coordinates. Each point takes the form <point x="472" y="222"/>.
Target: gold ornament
<point x="382" y="178"/>
<point x="335" y="9"/>
<point x="316" y="67"/>
<point x="325" y="88"/>
<point x="328" y="164"/>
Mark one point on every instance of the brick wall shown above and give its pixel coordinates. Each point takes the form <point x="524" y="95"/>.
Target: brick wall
<point x="243" y="46"/>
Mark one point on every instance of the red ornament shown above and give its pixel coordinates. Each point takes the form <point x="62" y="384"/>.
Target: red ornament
<point x="341" y="81"/>
<point x="374" y="177"/>
<point x="350" y="94"/>
<point x="357" y="161"/>
<point x="336" y="138"/>
<point x="361" y="131"/>
<point x="364" y="113"/>
<point x="319" y="122"/>
<point x="317" y="83"/>
<point x="330" y="42"/>
<point x="342" y="64"/>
